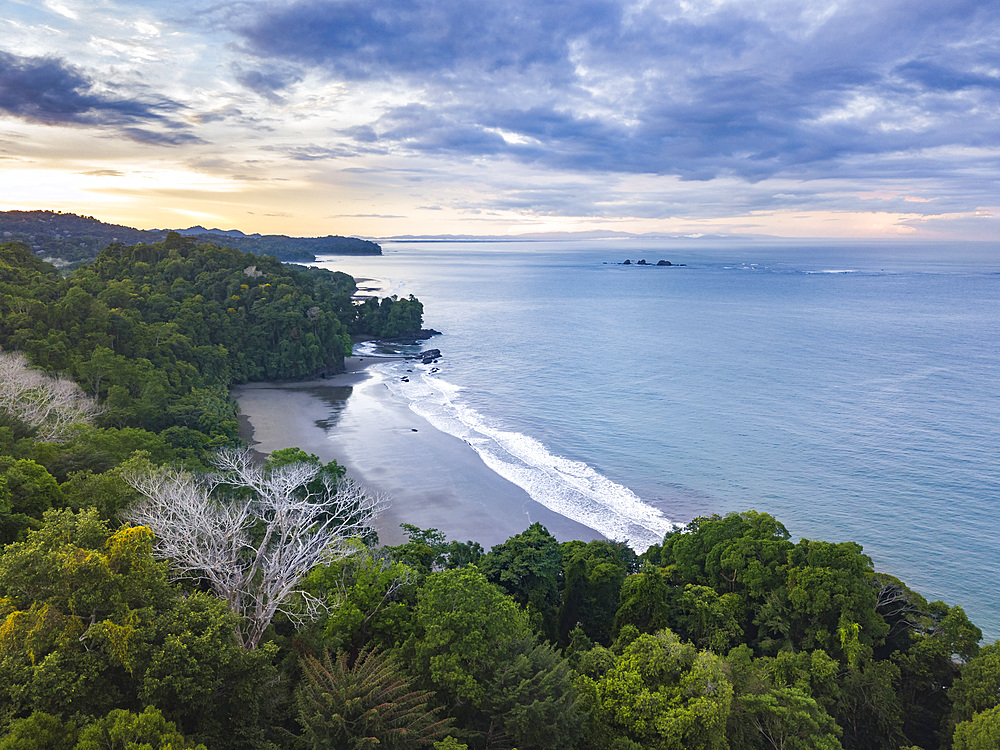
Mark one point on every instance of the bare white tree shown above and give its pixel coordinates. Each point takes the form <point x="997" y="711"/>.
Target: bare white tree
<point x="49" y="404"/>
<point x="253" y="532"/>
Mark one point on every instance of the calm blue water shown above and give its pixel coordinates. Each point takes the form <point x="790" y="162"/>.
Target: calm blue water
<point x="853" y="391"/>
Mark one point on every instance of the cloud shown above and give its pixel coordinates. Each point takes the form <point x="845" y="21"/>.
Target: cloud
<point x="935" y="75"/>
<point x="267" y="81"/>
<point x="602" y="109"/>
<point x="221" y="114"/>
<point x="160" y="137"/>
<point x="47" y="90"/>
<point x="310" y="152"/>
<point x="365" y="216"/>
<point x="360" y="40"/>
<point x="752" y="90"/>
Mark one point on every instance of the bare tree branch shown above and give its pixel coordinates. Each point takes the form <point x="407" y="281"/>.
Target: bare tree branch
<point x="252" y="532"/>
<point x="893" y="601"/>
<point x="49" y="404"/>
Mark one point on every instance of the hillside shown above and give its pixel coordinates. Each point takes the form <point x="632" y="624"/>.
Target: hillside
<point x="63" y="238"/>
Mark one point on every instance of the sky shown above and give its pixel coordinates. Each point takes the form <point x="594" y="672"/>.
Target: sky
<point x="376" y="118"/>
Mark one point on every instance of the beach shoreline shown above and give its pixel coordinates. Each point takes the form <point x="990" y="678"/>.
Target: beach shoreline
<point x="354" y="373"/>
<point x="433" y="479"/>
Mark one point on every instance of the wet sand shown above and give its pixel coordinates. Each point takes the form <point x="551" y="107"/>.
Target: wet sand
<point x="434" y="480"/>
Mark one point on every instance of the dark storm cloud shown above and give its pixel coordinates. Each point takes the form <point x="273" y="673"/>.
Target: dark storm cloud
<point x="47" y="90"/>
<point x="750" y="90"/>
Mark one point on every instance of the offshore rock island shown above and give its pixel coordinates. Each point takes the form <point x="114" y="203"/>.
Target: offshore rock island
<point x="628" y="262"/>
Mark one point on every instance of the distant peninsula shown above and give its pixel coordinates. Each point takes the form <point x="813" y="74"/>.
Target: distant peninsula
<point x="65" y="238"/>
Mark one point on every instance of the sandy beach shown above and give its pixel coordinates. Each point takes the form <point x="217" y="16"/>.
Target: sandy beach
<point x="434" y="480"/>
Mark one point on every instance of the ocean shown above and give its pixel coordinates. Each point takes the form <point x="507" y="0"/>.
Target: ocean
<point x="852" y="390"/>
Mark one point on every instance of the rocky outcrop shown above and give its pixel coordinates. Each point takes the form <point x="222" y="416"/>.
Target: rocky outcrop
<point x="411" y="338"/>
<point x="643" y="262"/>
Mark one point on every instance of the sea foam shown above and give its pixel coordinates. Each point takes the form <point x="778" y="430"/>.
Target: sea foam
<point x="570" y="488"/>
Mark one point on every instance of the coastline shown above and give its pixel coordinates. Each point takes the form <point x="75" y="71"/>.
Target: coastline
<point x="433" y="479"/>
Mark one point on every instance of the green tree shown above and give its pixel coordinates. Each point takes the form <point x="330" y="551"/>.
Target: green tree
<point x="528" y="567"/>
<point x="868" y="707"/>
<point x="831" y="588"/>
<point x="981" y="732"/>
<point x="647" y="600"/>
<point x="928" y="667"/>
<point x="977" y="690"/>
<point x="473" y="645"/>
<point x="100" y="450"/>
<point x="370" y="600"/>
<point x="29" y="491"/>
<point x="428" y="550"/>
<point x="534" y="698"/>
<point x="462" y="627"/>
<point x="74" y="595"/>
<point x="40" y="731"/>
<point x="189" y="664"/>
<point x="739" y="551"/>
<point x="741" y="556"/>
<point x="108" y="493"/>
<point x="707" y="619"/>
<point x="786" y="717"/>
<point x="89" y="623"/>
<point x="593" y="575"/>
<point x="660" y="694"/>
<point x="122" y="730"/>
<point x="786" y="698"/>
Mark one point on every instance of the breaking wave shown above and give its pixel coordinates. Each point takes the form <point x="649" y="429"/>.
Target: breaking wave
<point x="571" y="488"/>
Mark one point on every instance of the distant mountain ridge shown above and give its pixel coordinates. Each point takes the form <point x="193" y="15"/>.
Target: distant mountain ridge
<point x="197" y="230"/>
<point x="66" y="238"/>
